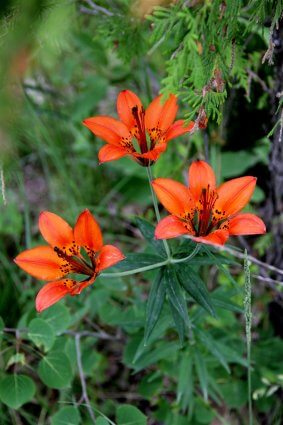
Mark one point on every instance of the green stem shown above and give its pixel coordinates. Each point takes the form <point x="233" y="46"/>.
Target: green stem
<point x="139" y="270"/>
<point x="153" y="266"/>
<point x="189" y="257"/>
<point x="156" y="209"/>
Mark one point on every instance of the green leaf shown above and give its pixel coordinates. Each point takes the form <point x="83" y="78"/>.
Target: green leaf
<point x="101" y="421"/>
<point x="220" y="266"/>
<point x="147" y="230"/>
<point x="16" y="358"/>
<point x="226" y="304"/>
<point x="130" y="415"/>
<point x="201" y="372"/>
<point x="16" y="390"/>
<point x="154" y="304"/>
<point x="134" y="261"/>
<point x="58" y="317"/>
<point x="55" y="370"/>
<point x="174" y="293"/>
<point x="211" y="346"/>
<point x="41" y="334"/>
<point x="68" y="415"/>
<point x="179" y="323"/>
<point x="185" y="380"/>
<point x="195" y="287"/>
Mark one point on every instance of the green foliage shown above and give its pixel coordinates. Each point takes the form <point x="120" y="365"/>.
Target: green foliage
<point x="55" y="370"/>
<point x="16" y="390"/>
<point x="68" y="415"/>
<point x="164" y="345"/>
<point x="130" y="415"/>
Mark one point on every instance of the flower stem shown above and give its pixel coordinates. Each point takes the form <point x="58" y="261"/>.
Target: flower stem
<point x="153" y="266"/>
<point x="189" y="257"/>
<point x="139" y="270"/>
<point x="156" y="209"/>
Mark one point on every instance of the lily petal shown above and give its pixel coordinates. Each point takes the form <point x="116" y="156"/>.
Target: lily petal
<point x="108" y="129"/>
<point x="170" y="227"/>
<point x="154" y="153"/>
<point x="41" y="262"/>
<point x="161" y="114"/>
<point x="50" y="294"/>
<point x="234" y="195"/>
<point x="57" y="232"/>
<point x="246" y="224"/>
<point x="87" y="232"/>
<point x="218" y="237"/>
<point x="111" y="153"/>
<point x="178" y="128"/>
<point x="108" y="256"/>
<point x="174" y="196"/>
<point x="200" y="175"/>
<point x="126" y="101"/>
<point x="169" y="112"/>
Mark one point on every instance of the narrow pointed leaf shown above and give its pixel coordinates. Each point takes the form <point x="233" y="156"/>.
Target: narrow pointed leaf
<point x="201" y="373"/>
<point x="175" y="294"/>
<point x="211" y="346"/>
<point x="147" y="230"/>
<point x="195" y="287"/>
<point x="185" y="380"/>
<point x="137" y="260"/>
<point x="220" y="266"/>
<point x="154" y="304"/>
<point x="179" y="323"/>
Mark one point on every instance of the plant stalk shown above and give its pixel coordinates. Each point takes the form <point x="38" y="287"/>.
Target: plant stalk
<point x="156" y="209"/>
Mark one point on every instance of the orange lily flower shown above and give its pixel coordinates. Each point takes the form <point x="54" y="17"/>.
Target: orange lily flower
<point x="63" y="257"/>
<point x="141" y="133"/>
<point x="208" y="213"/>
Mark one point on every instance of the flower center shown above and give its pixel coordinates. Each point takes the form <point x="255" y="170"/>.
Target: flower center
<point x="203" y="219"/>
<point x="140" y="123"/>
<point x="75" y="264"/>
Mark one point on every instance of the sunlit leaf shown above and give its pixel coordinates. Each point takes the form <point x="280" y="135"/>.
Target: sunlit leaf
<point x="41" y="334"/>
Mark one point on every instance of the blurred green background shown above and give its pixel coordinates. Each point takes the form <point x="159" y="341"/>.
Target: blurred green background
<point x="67" y="60"/>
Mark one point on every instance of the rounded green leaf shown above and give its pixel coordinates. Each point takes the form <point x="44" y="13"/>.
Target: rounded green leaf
<point x="16" y="390"/>
<point x="58" y="317"/>
<point x="68" y="415"/>
<point x="55" y="370"/>
<point x="41" y="334"/>
<point x="130" y="415"/>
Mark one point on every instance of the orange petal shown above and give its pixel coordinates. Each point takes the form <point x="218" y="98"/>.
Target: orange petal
<point x="111" y="153"/>
<point x="234" y="195"/>
<point x="218" y="237"/>
<point x="108" y="256"/>
<point x="246" y="224"/>
<point x="174" y="196"/>
<point x="170" y="227"/>
<point x="50" y="294"/>
<point x="178" y="128"/>
<point x="200" y="176"/>
<point x="154" y="153"/>
<point x="161" y="114"/>
<point x="87" y="232"/>
<point x="108" y="129"/>
<point x="41" y="262"/>
<point x="169" y="112"/>
<point x="57" y="232"/>
<point x="125" y="103"/>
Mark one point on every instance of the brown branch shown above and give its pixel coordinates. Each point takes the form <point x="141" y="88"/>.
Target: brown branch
<point x="82" y="379"/>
